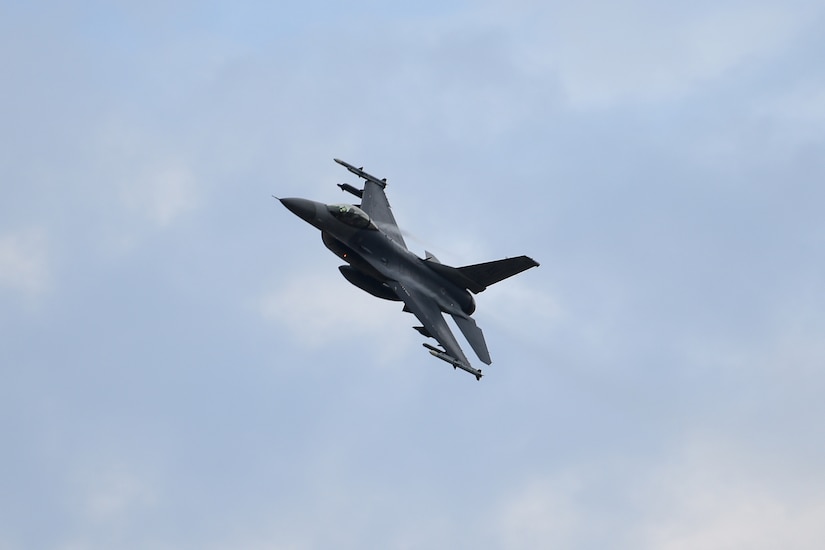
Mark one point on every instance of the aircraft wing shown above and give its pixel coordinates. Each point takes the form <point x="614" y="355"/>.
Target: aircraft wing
<point x="374" y="202"/>
<point x="428" y="312"/>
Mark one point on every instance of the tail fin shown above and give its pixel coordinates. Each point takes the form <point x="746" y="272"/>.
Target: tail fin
<point x="476" y="278"/>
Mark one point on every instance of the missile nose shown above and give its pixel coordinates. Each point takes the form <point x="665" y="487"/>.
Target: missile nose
<point x="303" y="208"/>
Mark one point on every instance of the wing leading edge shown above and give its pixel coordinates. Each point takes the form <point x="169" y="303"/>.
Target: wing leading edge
<point x="374" y="202"/>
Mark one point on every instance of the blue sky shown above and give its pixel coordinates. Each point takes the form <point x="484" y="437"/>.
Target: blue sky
<point x="184" y="368"/>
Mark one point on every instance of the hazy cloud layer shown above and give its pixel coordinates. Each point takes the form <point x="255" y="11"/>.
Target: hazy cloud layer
<point x="24" y="264"/>
<point x="184" y="368"/>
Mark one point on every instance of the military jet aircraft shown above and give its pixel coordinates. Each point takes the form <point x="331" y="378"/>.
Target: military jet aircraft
<point x="378" y="261"/>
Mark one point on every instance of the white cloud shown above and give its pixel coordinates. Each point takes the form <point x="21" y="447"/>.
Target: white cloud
<point x="717" y="497"/>
<point x="796" y="116"/>
<point x="116" y="493"/>
<point x="173" y="194"/>
<point x="320" y="310"/>
<point x="520" y="308"/>
<point x="24" y="263"/>
<point x="164" y="193"/>
<point x="109" y="502"/>
<point x="743" y="518"/>
<point x="512" y="296"/>
<point x="805" y="103"/>
<point x="706" y="494"/>
<point x="605" y="52"/>
<point x="540" y="515"/>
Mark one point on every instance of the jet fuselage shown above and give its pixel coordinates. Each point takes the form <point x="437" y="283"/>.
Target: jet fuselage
<point x="377" y="258"/>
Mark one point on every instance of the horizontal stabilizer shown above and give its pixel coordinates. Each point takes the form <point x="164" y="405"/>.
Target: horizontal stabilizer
<point x="490" y="273"/>
<point x="473" y="335"/>
<point x="476" y="278"/>
<point x="455" y="276"/>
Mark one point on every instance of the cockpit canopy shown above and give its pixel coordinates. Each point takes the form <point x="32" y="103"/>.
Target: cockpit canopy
<point x="351" y="215"/>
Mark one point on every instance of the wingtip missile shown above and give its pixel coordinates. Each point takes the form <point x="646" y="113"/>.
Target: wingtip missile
<point x="435" y="352"/>
<point x="361" y="174"/>
<point x="347" y="165"/>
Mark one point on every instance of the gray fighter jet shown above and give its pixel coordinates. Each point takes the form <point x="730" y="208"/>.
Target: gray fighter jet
<point x="378" y="261"/>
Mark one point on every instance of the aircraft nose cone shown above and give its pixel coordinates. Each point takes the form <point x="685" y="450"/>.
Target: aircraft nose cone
<point x="303" y="208"/>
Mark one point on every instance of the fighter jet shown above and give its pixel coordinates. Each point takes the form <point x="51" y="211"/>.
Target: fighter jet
<point x="378" y="261"/>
